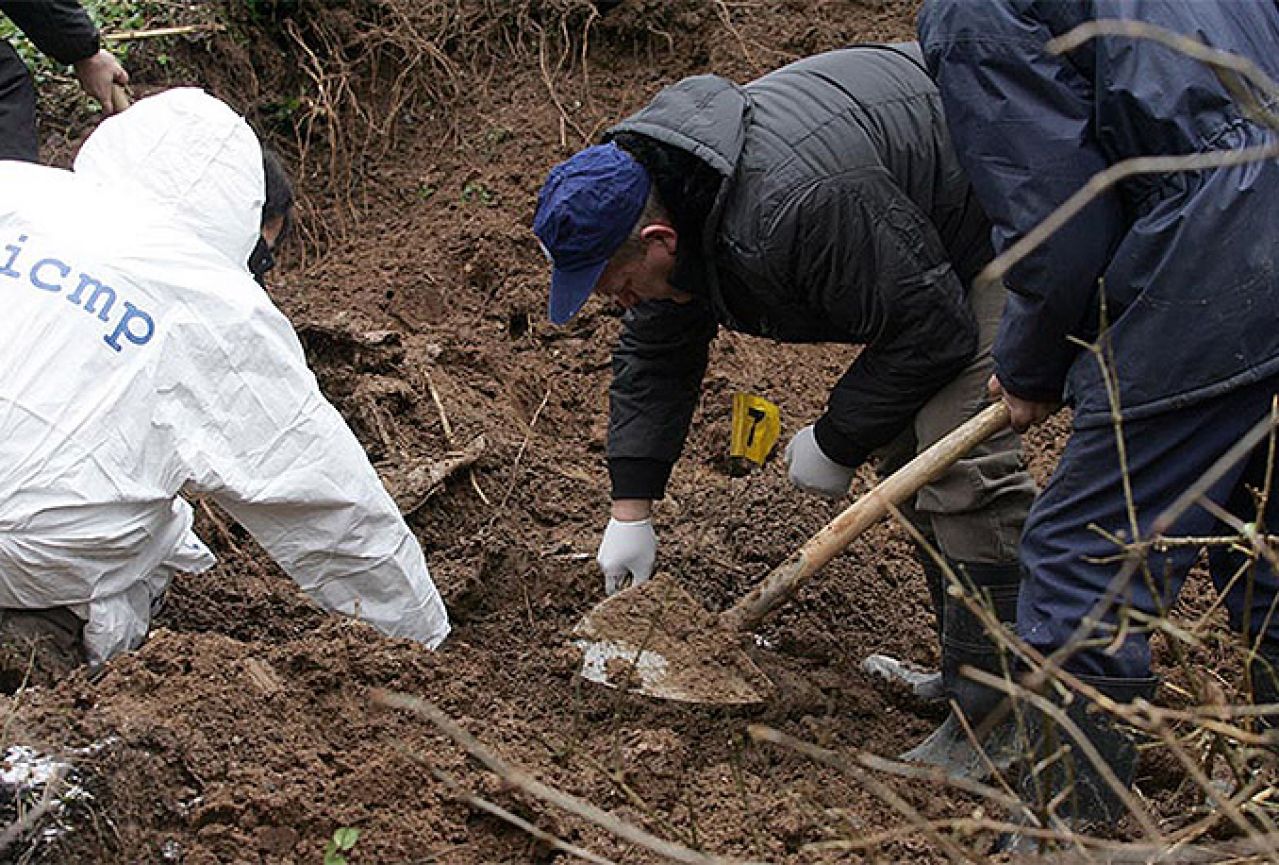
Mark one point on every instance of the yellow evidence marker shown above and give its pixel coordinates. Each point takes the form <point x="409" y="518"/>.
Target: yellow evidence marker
<point x="756" y="425"/>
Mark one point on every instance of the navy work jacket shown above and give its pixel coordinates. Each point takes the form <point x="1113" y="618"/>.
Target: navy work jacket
<point x="1186" y="261"/>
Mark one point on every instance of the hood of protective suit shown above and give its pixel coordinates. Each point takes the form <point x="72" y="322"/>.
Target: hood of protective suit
<point x="193" y="156"/>
<point x="140" y="359"/>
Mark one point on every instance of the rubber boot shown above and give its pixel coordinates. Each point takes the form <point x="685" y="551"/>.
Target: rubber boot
<point x="965" y="643"/>
<point x="926" y="685"/>
<point x="1056" y="772"/>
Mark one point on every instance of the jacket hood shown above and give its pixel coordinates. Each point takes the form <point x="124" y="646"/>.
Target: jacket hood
<point x="193" y="156"/>
<point x="705" y="115"/>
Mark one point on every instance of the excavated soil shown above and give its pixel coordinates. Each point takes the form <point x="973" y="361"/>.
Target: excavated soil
<point x="244" y="732"/>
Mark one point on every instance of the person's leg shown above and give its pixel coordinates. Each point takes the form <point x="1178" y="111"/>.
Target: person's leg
<point x="975" y="512"/>
<point x="1250" y="586"/>
<point x="978" y="507"/>
<point x="1077" y="596"/>
<point x="924" y="684"/>
<point x="17" y="108"/>
<point x="1071" y="546"/>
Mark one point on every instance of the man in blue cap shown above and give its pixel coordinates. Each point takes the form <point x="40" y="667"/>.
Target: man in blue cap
<point x="820" y="203"/>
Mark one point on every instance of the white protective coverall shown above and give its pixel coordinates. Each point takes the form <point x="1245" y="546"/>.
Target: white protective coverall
<point x="138" y="355"/>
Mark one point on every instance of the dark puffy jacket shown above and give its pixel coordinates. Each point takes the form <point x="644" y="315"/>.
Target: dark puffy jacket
<point x="59" y="28"/>
<point x="1187" y="261"/>
<point x="843" y="217"/>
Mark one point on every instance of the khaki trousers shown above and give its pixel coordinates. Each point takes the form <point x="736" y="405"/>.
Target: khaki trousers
<point x="975" y="512"/>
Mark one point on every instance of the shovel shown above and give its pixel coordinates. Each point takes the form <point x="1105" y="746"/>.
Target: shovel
<point x="656" y="639"/>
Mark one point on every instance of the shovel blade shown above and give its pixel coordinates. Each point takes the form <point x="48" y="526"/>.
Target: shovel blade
<point x="656" y="639"/>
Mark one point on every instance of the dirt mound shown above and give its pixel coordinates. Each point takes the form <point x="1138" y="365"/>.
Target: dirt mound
<point x="243" y="730"/>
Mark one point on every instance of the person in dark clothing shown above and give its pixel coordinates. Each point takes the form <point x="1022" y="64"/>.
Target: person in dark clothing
<point x="1181" y="265"/>
<point x="819" y="203"/>
<point x="63" y="31"/>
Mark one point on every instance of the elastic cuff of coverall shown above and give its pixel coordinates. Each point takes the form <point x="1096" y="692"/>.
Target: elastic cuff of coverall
<point x="638" y="478"/>
<point x="836" y="447"/>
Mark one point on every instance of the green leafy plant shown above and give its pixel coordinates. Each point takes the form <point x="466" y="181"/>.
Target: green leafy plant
<point x="476" y="191"/>
<point x="340" y="844"/>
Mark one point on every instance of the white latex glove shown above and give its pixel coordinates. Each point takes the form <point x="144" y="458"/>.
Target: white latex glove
<point x="628" y="549"/>
<point x="814" y="472"/>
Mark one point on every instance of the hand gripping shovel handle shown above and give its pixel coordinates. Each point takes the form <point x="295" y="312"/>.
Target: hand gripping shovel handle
<point x="782" y="583"/>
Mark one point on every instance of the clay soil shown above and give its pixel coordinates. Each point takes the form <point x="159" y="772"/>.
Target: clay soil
<point x="243" y="731"/>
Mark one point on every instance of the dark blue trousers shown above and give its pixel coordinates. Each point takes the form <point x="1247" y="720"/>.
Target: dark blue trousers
<point x="1064" y="555"/>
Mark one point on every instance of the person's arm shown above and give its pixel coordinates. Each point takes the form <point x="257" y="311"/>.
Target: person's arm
<point x="257" y="435"/>
<point x="59" y="28"/>
<point x="1022" y="124"/>
<point x="870" y="260"/>
<point x="63" y="30"/>
<point x="658" y="366"/>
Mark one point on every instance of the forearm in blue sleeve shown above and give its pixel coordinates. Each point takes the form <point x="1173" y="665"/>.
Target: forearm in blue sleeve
<point x="1021" y="121"/>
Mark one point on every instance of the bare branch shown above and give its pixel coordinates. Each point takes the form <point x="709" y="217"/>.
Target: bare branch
<point x="767" y="734"/>
<point x="481" y="804"/>
<point x="1220" y="61"/>
<point x="1103" y="181"/>
<point x="519" y="778"/>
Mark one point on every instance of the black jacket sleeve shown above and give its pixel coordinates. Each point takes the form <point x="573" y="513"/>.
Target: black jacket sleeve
<point x="658" y="367"/>
<point x="59" y="28"/>
<point x="869" y="259"/>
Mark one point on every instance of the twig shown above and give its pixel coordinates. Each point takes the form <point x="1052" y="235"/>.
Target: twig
<point x="1162" y="523"/>
<point x="448" y="430"/>
<point x="1224" y="463"/>
<point x="518" y="822"/>
<point x="618" y="779"/>
<point x="425" y="480"/>
<point x="1128" y="713"/>
<point x="565" y="119"/>
<point x="1100" y="182"/>
<point x="726" y="17"/>
<point x="969" y="825"/>
<point x="222" y="528"/>
<point x="519" y="454"/>
<point x="135" y="35"/>
<point x="1084" y="744"/>
<point x="28" y="820"/>
<point x="767" y="734"/>
<point x="1219" y="60"/>
<point x="518" y="778"/>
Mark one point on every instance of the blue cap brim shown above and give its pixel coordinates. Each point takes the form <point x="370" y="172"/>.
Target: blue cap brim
<point x="570" y="290"/>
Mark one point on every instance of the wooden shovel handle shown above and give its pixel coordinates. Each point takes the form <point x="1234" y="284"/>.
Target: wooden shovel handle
<point x="782" y="583"/>
<point x="119" y="99"/>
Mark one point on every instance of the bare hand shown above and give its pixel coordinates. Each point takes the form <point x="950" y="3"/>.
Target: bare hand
<point x="1025" y="413"/>
<point x="99" y="77"/>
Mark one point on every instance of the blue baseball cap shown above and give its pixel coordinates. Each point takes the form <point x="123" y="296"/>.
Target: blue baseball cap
<point x="585" y="211"/>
